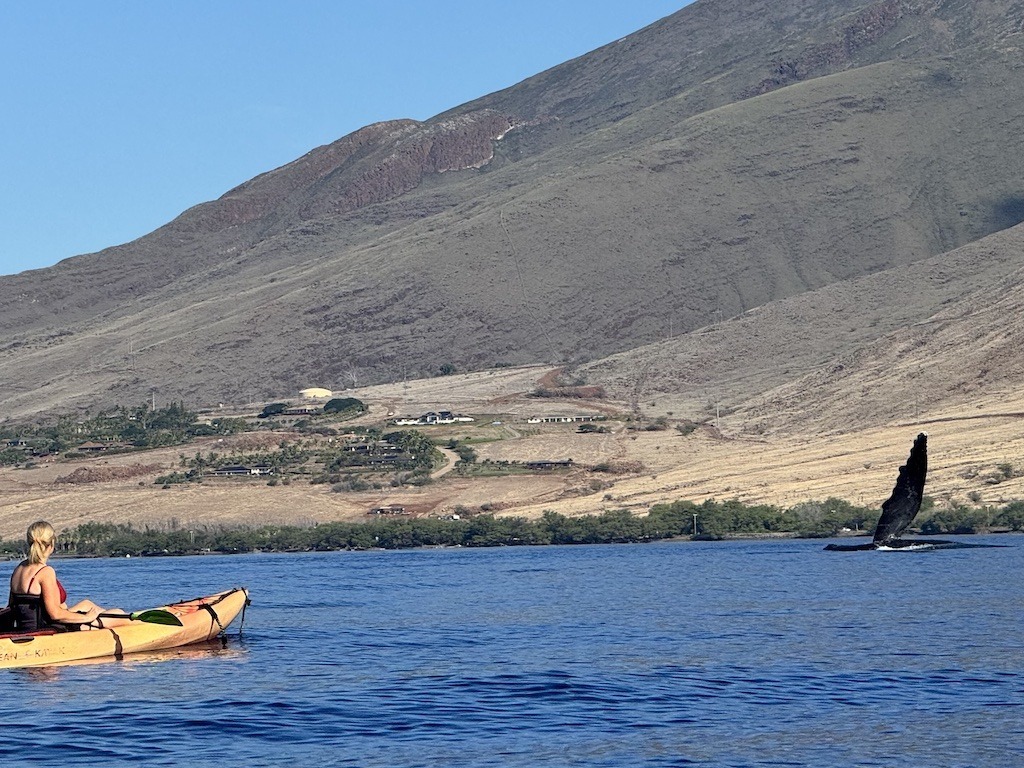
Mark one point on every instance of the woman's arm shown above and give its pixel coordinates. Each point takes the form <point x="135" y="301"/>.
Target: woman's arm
<point x="47" y="579"/>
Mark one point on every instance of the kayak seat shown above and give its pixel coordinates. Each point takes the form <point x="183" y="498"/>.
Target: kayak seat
<point x="7" y="629"/>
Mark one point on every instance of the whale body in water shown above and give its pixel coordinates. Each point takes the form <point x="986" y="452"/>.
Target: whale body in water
<point x="902" y="507"/>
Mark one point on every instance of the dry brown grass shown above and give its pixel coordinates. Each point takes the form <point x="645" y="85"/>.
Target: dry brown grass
<point x="969" y="449"/>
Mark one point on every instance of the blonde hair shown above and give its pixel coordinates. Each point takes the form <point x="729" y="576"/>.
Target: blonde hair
<point x="39" y="537"/>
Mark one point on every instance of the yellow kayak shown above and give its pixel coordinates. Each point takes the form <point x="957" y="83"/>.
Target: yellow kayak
<point x="201" y="619"/>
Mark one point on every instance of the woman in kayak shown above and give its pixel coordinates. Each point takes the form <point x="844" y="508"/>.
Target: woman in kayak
<point x="38" y="599"/>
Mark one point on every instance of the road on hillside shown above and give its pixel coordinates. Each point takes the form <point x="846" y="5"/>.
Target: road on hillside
<point x="452" y="457"/>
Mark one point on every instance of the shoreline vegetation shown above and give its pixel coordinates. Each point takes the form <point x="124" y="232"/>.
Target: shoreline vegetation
<point x="352" y="458"/>
<point x="709" y="521"/>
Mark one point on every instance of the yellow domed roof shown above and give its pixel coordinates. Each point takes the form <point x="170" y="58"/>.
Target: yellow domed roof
<point x="315" y="393"/>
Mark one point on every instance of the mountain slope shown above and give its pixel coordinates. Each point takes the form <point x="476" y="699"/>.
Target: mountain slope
<point x="727" y="157"/>
<point x="924" y="339"/>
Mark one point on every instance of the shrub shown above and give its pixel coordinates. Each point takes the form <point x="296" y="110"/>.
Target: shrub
<point x="1012" y="516"/>
<point x="342" y="404"/>
<point x="351" y="483"/>
<point x="466" y="453"/>
<point x="956" y="519"/>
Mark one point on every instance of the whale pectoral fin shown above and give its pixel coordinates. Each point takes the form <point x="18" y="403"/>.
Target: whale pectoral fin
<point x="905" y="502"/>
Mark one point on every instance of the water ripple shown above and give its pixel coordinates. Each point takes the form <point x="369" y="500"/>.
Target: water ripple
<point x="741" y="654"/>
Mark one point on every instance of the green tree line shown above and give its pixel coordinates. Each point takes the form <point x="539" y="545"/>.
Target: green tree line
<point x="714" y="520"/>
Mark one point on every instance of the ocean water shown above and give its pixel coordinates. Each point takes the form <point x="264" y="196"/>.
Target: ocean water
<point x="763" y="653"/>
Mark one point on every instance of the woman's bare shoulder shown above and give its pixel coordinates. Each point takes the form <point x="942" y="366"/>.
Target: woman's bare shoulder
<point x="29" y="571"/>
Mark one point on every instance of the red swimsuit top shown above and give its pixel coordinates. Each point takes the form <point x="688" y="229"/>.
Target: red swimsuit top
<point x="63" y="592"/>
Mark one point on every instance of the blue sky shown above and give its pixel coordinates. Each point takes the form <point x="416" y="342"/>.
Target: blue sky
<point x="119" y="115"/>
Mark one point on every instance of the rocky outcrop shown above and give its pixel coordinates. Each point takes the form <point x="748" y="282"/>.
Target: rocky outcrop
<point x="454" y="144"/>
<point x="260" y="196"/>
<point x="373" y="165"/>
<point x="865" y="29"/>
